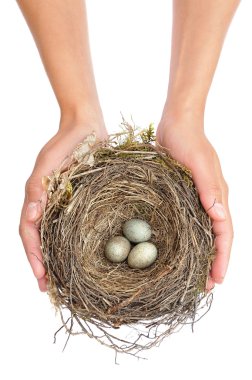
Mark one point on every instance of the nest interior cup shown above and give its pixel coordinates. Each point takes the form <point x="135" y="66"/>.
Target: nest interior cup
<point x="104" y="184"/>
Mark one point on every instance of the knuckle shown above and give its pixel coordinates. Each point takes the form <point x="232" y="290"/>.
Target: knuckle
<point x="225" y="186"/>
<point x="229" y="235"/>
<point x="30" y="185"/>
<point x="20" y="230"/>
<point x="211" y="194"/>
<point x="232" y="234"/>
<point x="214" y="190"/>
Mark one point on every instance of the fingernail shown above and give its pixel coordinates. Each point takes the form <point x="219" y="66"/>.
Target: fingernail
<point x="31" y="211"/>
<point x="219" y="210"/>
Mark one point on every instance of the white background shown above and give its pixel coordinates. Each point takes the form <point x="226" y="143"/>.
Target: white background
<point x="130" y="43"/>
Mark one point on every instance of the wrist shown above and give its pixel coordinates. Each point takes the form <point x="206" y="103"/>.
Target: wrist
<point x="82" y="121"/>
<point x="182" y="126"/>
<point x="185" y="100"/>
<point x="81" y="117"/>
<point x="179" y="113"/>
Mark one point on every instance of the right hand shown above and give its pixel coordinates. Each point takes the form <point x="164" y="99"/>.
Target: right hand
<point x="50" y="157"/>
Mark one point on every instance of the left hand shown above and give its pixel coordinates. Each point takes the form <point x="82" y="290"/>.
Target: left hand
<point x="188" y="144"/>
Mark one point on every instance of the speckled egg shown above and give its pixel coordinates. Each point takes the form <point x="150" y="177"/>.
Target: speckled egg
<point x="117" y="249"/>
<point x="142" y="255"/>
<point x="137" y="230"/>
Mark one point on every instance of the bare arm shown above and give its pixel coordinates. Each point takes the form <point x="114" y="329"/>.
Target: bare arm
<point x="60" y="31"/>
<point x="199" y="29"/>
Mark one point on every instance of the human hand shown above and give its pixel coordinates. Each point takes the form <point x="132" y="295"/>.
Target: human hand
<point x="188" y="144"/>
<point x="50" y="157"/>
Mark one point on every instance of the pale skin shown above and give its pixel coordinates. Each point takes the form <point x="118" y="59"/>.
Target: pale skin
<point x="61" y="34"/>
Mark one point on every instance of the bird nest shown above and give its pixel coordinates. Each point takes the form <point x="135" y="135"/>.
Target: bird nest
<point x="99" y="187"/>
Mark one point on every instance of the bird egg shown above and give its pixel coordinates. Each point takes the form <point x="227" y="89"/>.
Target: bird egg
<point x="117" y="249"/>
<point x="137" y="230"/>
<point x="142" y="255"/>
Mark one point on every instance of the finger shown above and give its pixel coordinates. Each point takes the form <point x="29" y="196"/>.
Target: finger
<point x="210" y="284"/>
<point x="42" y="283"/>
<point x="223" y="243"/>
<point x="223" y="231"/>
<point x="34" y="209"/>
<point x="31" y="242"/>
<point x="212" y="187"/>
<point x="34" y="202"/>
<point x="206" y="176"/>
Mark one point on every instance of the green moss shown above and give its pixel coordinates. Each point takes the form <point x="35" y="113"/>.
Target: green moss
<point x="161" y="162"/>
<point x="134" y="135"/>
<point x="128" y="155"/>
<point x="148" y="134"/>
<point x="187" y="180"/>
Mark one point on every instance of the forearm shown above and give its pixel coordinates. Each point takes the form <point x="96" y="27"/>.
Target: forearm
<point x="199" y="29"/>
<point x="60" y="31"/>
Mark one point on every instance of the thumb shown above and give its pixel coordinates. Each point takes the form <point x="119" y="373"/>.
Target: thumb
<point x="35" y="199"/>
<point x="211" y="199"/>
<point x="209" y="188"/>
